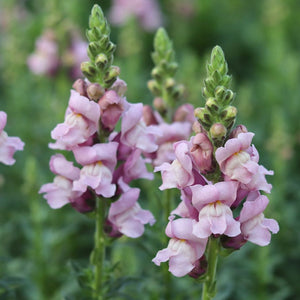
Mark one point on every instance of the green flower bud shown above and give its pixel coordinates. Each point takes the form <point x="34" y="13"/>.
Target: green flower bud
<point x="154" y="87"/>
<point x="156" y="73"/>
<point x="101" y="61"/>
<point x="111" y="75"/>
<point x="212" y="105"/>
<point x="170" y="83"/>
<point x="88" y="69"/>
<point x="203" y="117"/>
<point x="93" y="49"/>
<point x="229" y="113"/>
<point x="93" y="34"/>
<point x="178" y="91"/>
<point x="210" y="85"/>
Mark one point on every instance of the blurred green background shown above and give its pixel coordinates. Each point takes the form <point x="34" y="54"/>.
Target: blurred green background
<point x="261" y="42"/>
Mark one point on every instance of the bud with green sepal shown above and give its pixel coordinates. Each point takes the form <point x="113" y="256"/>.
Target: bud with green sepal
<point x="100" y="51"/>
<point x="163" y="84"/>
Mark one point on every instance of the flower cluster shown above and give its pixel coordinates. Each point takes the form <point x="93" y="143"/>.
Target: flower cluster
<point x="47" y="59"/>
<point x="220" y="179"/>
<point x="146" y="11"/>
<point x="107" y="165"/>
<point x="8" y="145"/>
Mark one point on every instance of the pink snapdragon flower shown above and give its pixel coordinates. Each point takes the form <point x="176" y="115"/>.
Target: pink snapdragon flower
<point x="98" y="163"/>
<point x="170" y="133"/>
<point x="213" y="203"/>
<point x="179" y="173"/>
<point x="60" y="192"/>
<point x="146" y="11"/>
<point x="254" y="226"/>
<point x="184" y="248"/>
<point x="8" y="145"/>
<point x="45" y="59"/>
<point x="238" y="160"/>
<point x="112" y="106"/>
<point x="81" y="121"/>
<point x="135" y="133"/>
<point x="126" y="216"/>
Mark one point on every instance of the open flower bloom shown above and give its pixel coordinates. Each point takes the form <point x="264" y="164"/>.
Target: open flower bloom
<point x="184" y="248"/>
<point x="146" y="11"/>
<point x="213" y="203"/>
<point x="126" y="215"/>
<point x="8" y="145"/>
<point x="254" y="226"/>
<point x="170" y="133"/>
<point x="133" y="168"/>
<point x="135" y="133"/>
<point x="81" y="121"/>
<point x="98" y="163"/>
<point x="237" y="159"/>
<point x="179" y="174"/>
<point x="60" y="192"/>
<point x="45" y="59"/>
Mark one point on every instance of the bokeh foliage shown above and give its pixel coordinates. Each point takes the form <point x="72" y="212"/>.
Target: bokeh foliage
<point x="261" y="42"/>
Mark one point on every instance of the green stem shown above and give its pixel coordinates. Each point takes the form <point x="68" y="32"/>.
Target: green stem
<point x="99" y="250"/>
<point x="209" y="285"/>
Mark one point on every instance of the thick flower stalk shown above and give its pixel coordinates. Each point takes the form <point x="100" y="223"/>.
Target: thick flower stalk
<point x="107" y="160"/>
<point x="220" y="179"/>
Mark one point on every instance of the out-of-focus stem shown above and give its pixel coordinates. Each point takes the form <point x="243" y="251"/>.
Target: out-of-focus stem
<point x="209" y="285"/>
<point x="99" y="250"/>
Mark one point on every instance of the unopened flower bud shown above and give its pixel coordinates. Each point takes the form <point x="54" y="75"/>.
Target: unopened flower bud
<point x="170" y="83"/>
<point x="201" y="151"/>
<point x="154" y="87"/>
<point x="148" y="115"/>
<point x="229" y="113"/>
<point x="197" y="127"/>
<point x="101" y="61"/>
<point x="110" y="48"/>
<point x="211" y="105"/>
<point x="111" y="75"/>
<point x="202" y="115"/>
<point x="218" y="131"/>
<point x="80" y="86"/>
<point x="178" y="91"/>
<point x="95" y="91"/>
<point x="156" y="73"/>
<point x="239" y="129"/>
<point x="119" y="86"/>
<point x="159" y="104"/>
<point x="88" y="69"/>
<point x="184" y="113"/>
<point x="210" y="85"/>
<point x="93" y="49"/>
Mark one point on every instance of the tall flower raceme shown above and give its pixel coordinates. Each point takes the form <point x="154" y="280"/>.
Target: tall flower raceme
<point x="107" y="160"/>
<point x="147" y="12"/>
<point x="8" y="145"/>
<point x="220" y="179"/>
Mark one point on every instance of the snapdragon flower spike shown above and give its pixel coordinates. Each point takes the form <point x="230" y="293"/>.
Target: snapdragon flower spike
<point x="254" y="226"/>
<point x="127" y="217"/>
<point x="8" y="145"/>
<point x="60" y="192"/>
<point x="213" y="202"/>
<point x="81" y="122"/>
<point x="184" y="248"/>
<point x="98" y="163"/>
<point x="238" y="160"/>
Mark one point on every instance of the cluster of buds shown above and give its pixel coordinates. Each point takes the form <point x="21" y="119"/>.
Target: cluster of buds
<point x="108" y="160"/>
<point x="8" y="145"/>
<point x="147" y="13"/>
<point x="226" y="207"/>
<point x="163" y="84"/>
<point x="218" y="116"/>
<point x="47" y="59"/>
<point x="173" y="124"/>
